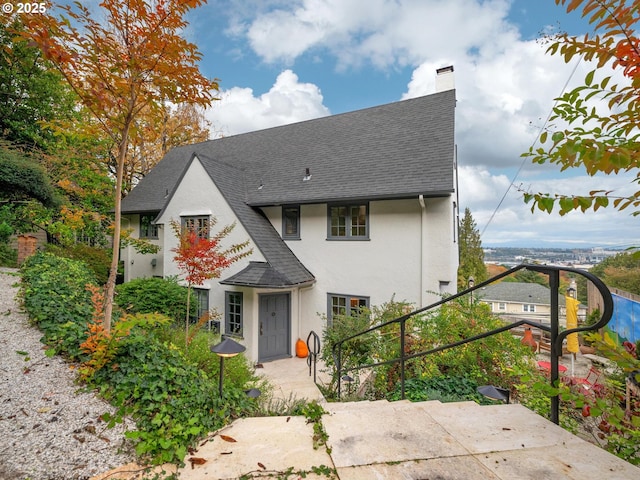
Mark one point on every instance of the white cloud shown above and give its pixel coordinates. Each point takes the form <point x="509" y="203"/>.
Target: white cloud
<point x="512" y="221"/>
<point x="505" y="88"/>
<point x="288" y="101"/>
<point x="382" y="32"/>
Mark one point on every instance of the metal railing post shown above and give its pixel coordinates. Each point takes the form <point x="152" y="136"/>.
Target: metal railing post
<point x="402" y="353"/>
<point x="554" y="286"/>
<point x="313" y="353"/>
<point x="339" y="369"/>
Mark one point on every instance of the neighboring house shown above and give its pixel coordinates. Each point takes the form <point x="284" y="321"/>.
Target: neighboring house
<point x="524" y="301"/>
<point x="342" y="212"/>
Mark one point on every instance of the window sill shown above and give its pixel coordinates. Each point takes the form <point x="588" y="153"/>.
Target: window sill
<point x="348" y="239"/>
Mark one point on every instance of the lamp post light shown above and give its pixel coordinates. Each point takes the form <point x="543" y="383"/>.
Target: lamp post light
<point x="227" y="348"/>
<point x="349" y="380"/>
<point x="471" y="283"/>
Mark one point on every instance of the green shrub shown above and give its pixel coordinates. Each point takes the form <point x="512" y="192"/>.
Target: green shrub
<point x="174" y="403"/>
<point x="173" y="399"/>
<point x="444" y="389"/>
<point x="57" y="300"/>
<point x="492" y="360"/>
<point x="97" y="259"/>
<point x="5" y="232"/>
<point x="238" y="370"/>
<point x="54" y="289"/>
<point x="155" y="295"/>
<point x="8" y="256"/>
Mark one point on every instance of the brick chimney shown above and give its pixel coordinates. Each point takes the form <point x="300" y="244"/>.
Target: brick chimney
<point x="444" y="79"/>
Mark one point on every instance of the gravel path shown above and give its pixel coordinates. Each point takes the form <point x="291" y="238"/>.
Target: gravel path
<point x="48" y="429"/>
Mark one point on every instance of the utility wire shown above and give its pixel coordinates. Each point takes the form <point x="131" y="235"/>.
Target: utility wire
<point x="542" y="128"/>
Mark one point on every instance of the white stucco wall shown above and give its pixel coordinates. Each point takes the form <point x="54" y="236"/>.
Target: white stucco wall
<point x="138" y="265"/>
<point x="410" y="254"/>
<point x="391" y="263"/>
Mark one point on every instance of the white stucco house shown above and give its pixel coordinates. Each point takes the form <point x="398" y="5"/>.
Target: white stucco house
<point x="341" y="212"/>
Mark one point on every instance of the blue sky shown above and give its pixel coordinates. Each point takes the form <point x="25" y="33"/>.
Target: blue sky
<point x="282" y="61"/>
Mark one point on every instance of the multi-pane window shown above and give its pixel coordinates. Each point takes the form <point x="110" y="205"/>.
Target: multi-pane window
<point x="346" y="305"/>
<point x="348" y="221"/>
<point x="233" y="313"/>
<point x="201" y="297"/>
<point x="528" y="308"/>
<point x="198" y="224"/>
<point x="502" y="306"/>
<point x="291" y="222"/>
<point x="148" y="229"/>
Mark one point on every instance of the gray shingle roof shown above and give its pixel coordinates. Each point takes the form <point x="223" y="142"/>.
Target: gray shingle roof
<point x="258" y="274"/>
<point x="517" y="292"/>
<point x="398" y="150"/>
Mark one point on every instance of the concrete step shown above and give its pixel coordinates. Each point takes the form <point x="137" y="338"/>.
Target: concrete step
<point x="412" y="441"/>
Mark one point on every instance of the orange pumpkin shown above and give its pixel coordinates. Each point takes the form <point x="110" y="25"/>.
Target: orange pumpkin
<point x="301" y="349"/>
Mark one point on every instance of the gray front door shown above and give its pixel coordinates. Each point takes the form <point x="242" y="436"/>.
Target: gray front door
<point x="274" y="334"/>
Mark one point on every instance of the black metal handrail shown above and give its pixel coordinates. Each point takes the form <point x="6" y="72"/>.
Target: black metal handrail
<point x="557" y="337"/>
<point x="312" y="356"/>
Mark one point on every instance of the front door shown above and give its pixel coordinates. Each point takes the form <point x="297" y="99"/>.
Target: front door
<point x="274" y="328"/>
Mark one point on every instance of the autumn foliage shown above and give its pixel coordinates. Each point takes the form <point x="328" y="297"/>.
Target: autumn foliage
<point x="123" y="65"/>
<point x="102" y="346"/>
<point x="602" y="116"/>
<point x="201" y="256"/>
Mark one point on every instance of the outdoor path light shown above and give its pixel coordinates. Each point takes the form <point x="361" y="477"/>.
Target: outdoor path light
<point x="227" y="348"/>
<point x="494" y="393"/>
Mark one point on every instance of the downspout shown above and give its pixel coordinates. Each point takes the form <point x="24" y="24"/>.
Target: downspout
<point x="423" y="236"/>
<point x="300" y="308"/>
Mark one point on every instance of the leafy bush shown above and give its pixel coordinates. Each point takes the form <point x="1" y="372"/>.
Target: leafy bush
<point x="238" y="371"/>
<point x="5" y="232"/>
<point x="174" y="403"/>
<point x="154" y="295"/>
<point x="445" y="389"/>
<point x="97" y="259"/>
<point x="364" y="349"/>
<point x="173" y="399"/>
<point x="8" y="256"/>
<point x="492" y="360"/>
<point x="57" y="300"/>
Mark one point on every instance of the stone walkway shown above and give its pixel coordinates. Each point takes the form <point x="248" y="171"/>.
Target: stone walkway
<point x="403" y="440"/>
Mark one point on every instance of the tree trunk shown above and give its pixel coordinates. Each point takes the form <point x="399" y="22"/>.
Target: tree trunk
<point x="115" y="256"/>
<point x="186" y="329"/>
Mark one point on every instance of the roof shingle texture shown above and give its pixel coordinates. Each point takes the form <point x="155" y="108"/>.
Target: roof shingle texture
<point x="518" y="292"/>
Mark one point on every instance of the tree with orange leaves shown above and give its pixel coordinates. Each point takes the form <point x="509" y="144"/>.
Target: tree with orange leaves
<point x="602" y="117"/>
<point x="130" y="61"/>
<point x="201" y="256"/>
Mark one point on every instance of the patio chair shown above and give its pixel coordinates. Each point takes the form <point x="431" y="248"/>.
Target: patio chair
<point x="590" y="384"/>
